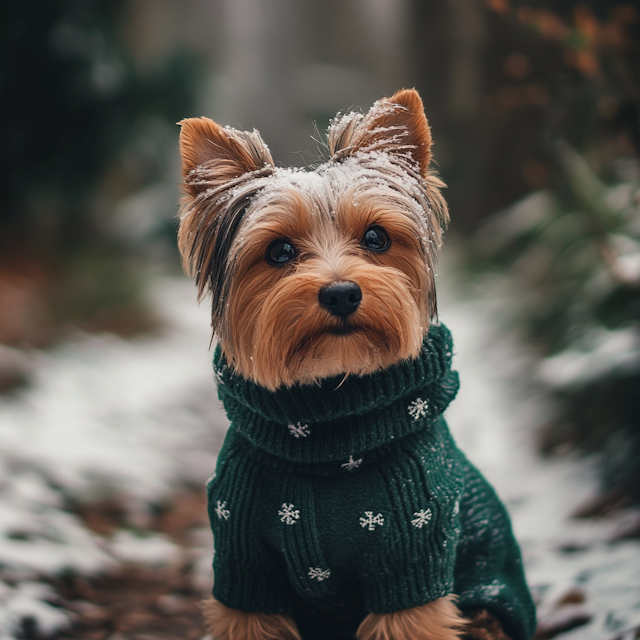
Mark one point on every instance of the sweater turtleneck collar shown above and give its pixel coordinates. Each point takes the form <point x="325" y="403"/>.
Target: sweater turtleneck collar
<point x="339" y="418"/>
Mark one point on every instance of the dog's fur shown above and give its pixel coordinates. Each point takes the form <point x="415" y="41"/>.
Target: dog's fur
<point x="267" y="318"/>
<point x="238" y="202"/>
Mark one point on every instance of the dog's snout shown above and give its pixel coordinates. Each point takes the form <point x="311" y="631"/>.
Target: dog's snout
<point x="340" y="298"/>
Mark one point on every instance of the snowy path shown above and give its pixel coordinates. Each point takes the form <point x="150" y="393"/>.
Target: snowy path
<point x="104" y="418"/>
<point x="494" y="419"/>
<point x="138" y="419"/>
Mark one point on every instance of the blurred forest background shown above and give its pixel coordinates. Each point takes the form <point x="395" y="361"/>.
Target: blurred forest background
<point x="535" y="111"/>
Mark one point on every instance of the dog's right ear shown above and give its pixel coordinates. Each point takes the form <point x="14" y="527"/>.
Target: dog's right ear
<point x="213" y="156"/>
<point x="222" y="169"/>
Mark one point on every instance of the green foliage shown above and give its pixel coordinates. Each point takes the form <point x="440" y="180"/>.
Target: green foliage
<point x="575" y="253"/>
<point x="576" y="250"/>
<point x="72" y="101"/>
<point x="573" y="244"/>
<point x="85" y="127"/>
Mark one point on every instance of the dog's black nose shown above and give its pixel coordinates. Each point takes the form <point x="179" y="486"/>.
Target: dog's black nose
<point x="340" y="298"/>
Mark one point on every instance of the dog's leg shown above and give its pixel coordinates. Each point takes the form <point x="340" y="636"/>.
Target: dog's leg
<point x="438" y="620"/>
<point x="224" y="623"/>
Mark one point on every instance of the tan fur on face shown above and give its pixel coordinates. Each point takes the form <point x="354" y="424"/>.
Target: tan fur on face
<point x="268" y="319"/>
<point x="224" y="623"/>
<point x="438" y="620"/>
<point x="284" y="336"/>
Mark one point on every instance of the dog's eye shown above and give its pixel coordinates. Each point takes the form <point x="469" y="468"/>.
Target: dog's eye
<point x="279" y="252"/>
<point x="376" y="239"/>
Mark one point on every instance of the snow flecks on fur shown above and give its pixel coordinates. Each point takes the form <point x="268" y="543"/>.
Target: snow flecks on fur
<point x="384" y="153"/>
<point x="367" y="176"/>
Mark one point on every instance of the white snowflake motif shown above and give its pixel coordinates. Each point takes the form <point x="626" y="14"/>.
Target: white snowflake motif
<point x="418" y="408"/>
<point x="289" y="514"/>
<point x="299" y="430"/>
<point x="351" y="464"/>
<point x="221" y="510"/>
<point x="319" y="574"/>
<point x="371" y="521"/>
<point x="421" y="518"/>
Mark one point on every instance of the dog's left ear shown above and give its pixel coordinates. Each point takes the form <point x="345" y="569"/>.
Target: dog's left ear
<point x="394" y="125"/>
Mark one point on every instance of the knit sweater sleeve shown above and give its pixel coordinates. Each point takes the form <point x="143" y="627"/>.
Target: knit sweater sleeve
<point x="248" y="574"/>
<point x="489" y="573"/>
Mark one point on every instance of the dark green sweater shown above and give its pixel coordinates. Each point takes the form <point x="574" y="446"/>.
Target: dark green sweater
<point x="351" y="497"/>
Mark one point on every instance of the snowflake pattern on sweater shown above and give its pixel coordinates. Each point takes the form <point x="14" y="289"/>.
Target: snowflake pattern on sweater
<point x="299" y="430"/>
<point x="370" y="521"/>
<point x="289" y="514"/>
<point x="418" y="408"/>
<point x="319" y="574"/>
<point x="421" y="518"/>
<point x="221" y="511"/>
<point x="351" y="464"/>
<point x="416" y="523"/>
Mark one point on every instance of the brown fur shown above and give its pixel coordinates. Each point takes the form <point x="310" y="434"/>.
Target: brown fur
<point x="277" y="344"/>
<point x="228" y="152"/>
<point x="230" y="624"/>
<point x="214" y="160"/>
<point x="483" y="626"/>
<point x="237" y="203"/>
<point x="438" y="620"/>
<point x="406" y="129"/>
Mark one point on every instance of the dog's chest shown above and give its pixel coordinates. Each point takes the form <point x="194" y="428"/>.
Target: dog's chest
<point x="332" y="533"/>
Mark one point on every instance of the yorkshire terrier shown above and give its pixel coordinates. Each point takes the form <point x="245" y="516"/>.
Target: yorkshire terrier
<point x="340" y="505"/>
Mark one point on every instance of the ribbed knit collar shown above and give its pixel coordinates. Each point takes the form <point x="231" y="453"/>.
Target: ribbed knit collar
<point x="340" y="418"/>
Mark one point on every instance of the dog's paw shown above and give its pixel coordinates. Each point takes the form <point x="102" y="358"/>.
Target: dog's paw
<point x="482" y="625"/>
<point x="224" y="623"/>
<point x="437" y="620"/>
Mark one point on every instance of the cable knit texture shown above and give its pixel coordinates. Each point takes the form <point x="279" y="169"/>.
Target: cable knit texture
<point x="350" y="497"/>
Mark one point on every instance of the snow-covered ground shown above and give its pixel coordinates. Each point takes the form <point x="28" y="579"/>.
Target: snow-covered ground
<point x="104" y="418"/>
<point x="138" y="419"/>
<point x="494" y="419"/>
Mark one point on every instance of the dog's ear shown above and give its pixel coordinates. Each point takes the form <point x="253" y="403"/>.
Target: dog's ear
<point x="222" y="169"/>
<point x="394" y="125"/>
<point x="213" y="155"/>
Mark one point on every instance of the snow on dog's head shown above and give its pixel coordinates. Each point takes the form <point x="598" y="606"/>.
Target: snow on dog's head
<point x="315" y="273"/>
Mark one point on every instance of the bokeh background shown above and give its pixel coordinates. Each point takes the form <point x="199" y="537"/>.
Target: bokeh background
<point x="535" y="112"/>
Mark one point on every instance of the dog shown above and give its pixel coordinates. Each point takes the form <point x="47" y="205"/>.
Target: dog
<point x="340" y="505"/>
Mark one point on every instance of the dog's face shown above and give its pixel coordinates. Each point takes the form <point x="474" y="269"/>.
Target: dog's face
<point x="315" y="273"/>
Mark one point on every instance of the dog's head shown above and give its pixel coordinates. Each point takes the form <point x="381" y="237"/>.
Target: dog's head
<point x="315" y="273"/>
